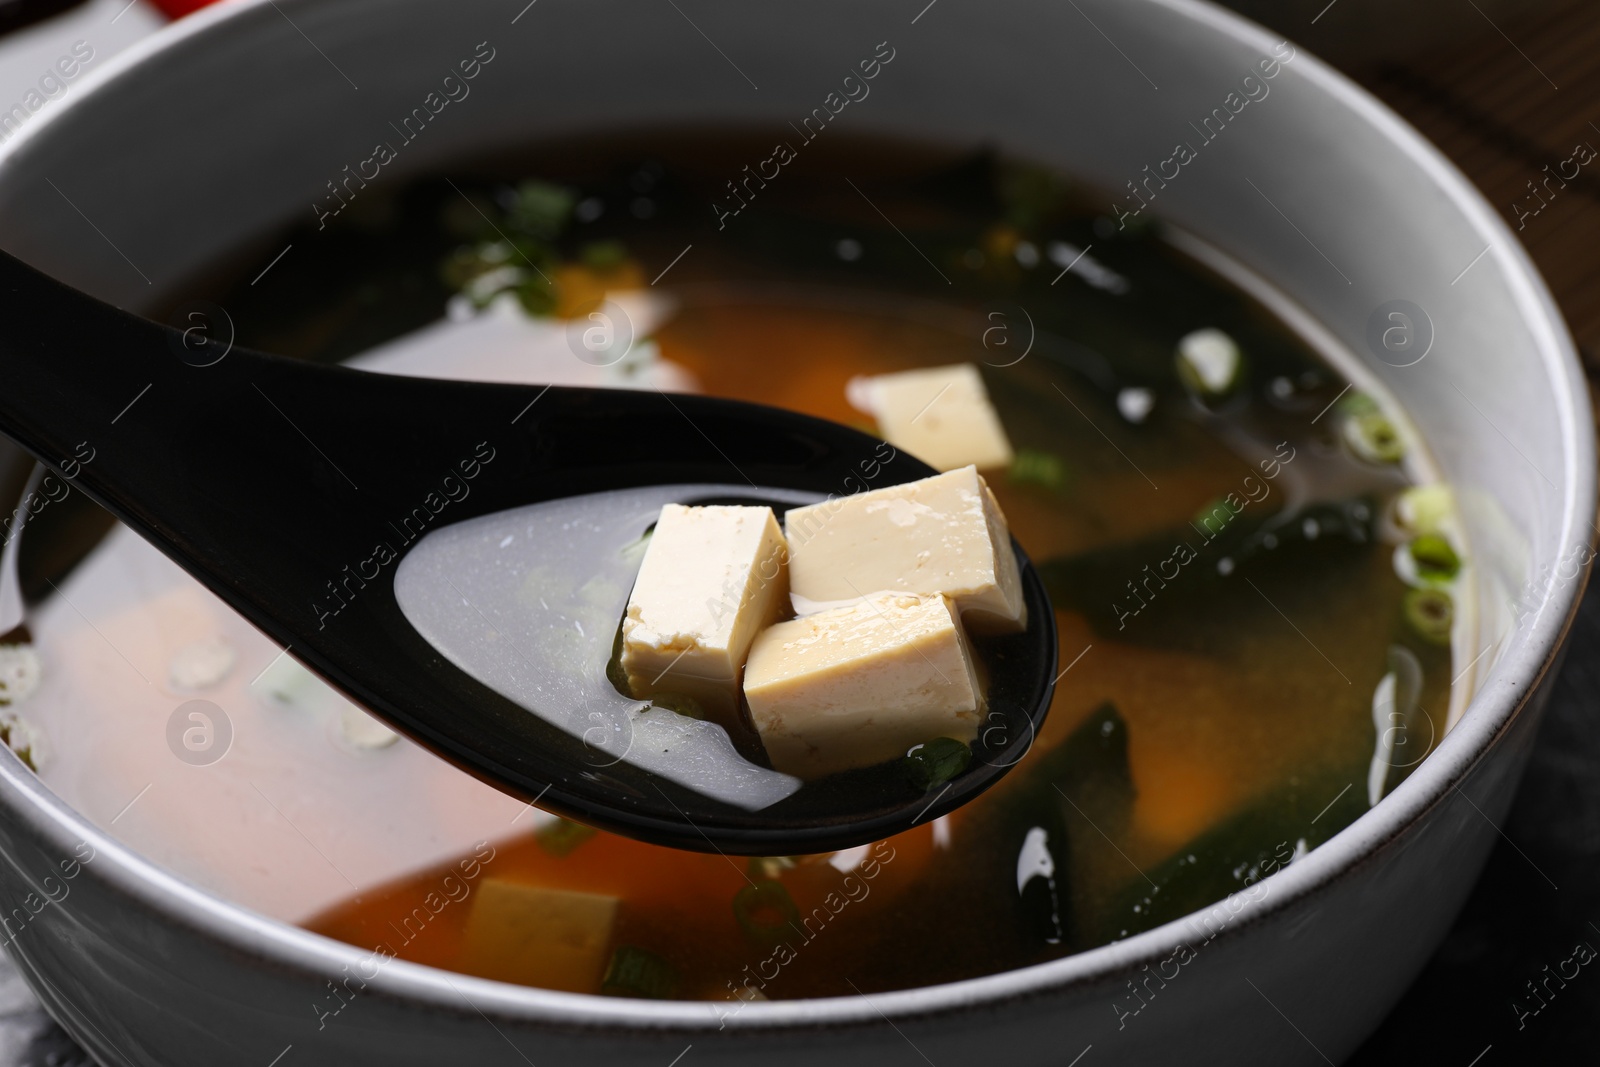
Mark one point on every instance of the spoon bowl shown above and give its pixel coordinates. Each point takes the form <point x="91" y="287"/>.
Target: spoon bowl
<point x="295" y="492"/>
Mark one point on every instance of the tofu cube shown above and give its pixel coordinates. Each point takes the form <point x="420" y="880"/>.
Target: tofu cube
<point x="941" y="415"/>
<point x="941" y="535"/>
<point x="863" y="683"/>
<point x="532" y="935"/>
<point x="711" y="579"/>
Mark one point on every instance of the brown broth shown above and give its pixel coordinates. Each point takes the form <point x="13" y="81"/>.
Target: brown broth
<point x="1244" y="699"/>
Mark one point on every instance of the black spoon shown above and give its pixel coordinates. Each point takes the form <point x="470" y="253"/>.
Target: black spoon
<point x="268" y="479"/>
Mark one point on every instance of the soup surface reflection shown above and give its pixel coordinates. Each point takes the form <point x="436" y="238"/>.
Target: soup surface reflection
<point x="1255" y="599"/>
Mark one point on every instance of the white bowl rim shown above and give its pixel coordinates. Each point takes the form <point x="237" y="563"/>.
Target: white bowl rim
<point x="1530" y="654"/>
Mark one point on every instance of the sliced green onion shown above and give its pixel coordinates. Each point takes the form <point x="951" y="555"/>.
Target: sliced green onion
<point x="1373" y="437"/>
<point x="1209" y="363"/>
<point x="1430" y="613"/>
<point x="1031" y="467"/>
<point x="540" y="210"/>
<point x="463" y="265"/>
<point x="634" y="972"/>
<point x="1357" y="404"/>
<point x="562" y="836"/>
<point x="19" y="673"/>
<point x="537" y="295"/>
<point x="17" y="744"/>
<point x="603" y="255"/>
<point x="766" y="912"/>
<point x="1436" y="560"/>
<point x="1215" y="505"/>
<point x="1424" y="509"/>
<point x="935" y="762"/>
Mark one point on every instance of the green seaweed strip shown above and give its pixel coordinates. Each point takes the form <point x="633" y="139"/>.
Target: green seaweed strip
<point x="1147" y="591"/>
<point x="1233" y="857"/>
<point x="634" y="972"/>
<point x="1043" y="819"/>
<point x="935" y="762"/>
<point x="562" y="836"/>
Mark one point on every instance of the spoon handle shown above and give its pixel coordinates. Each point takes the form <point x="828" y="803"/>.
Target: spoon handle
<point x="71" y="365"/>
<point x="293" y="490"/>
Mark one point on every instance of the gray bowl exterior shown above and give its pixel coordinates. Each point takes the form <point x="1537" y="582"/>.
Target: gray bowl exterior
<point x="233" y="120"/>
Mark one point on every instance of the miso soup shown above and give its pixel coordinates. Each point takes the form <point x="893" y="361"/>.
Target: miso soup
<point x="1255" y="587"/>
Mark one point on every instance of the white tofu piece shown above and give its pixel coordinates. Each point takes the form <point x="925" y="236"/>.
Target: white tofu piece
<point x="711" y="579"/>
<point x="857" y="685"/>
<point x="941" y="415"/>
<point x="532" y="935"/>
<point x="944" y="534"/>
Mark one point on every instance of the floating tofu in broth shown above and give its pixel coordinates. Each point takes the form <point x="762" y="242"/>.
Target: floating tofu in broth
<point x="536" y="935"/>
<point x="941" y="415"/>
